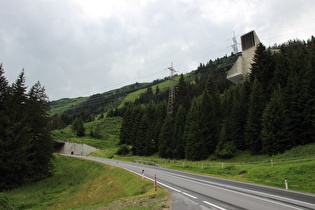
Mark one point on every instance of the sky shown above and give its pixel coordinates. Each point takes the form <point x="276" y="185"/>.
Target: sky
<point x="83" y="47"/>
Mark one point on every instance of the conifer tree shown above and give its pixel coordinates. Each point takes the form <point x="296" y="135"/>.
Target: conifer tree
<point x="126" y="131"/>
<point x="210" y="117"/>
<point x="137" y="115"/>
<point x="166" y="144"/>
<point x="226" y="148"/>
<point x="141" y="144"/>
<point x="151" y="139"/>
<point x="77" y="127"/>
<point x="4" y="153"/>
<point x="192" y="132"/>
<point x="310" y="88"/>
<point x="179" y="142"/>
<point x="42" y="145"/>
<point x="18" y="139"/>
<point x="160" y="115"/>
<point x="181" y="94"/>
<point x="255" y="110"/>
<point x="263" y="68"/>
<point x="276" y="126"/>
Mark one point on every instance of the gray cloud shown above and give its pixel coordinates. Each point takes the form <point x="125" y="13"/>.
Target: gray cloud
<point x="77" y="48"/>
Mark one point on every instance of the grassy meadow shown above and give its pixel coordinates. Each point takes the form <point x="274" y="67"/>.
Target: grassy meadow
<point x="297" y="165"/>
<point x="83" y="184"/>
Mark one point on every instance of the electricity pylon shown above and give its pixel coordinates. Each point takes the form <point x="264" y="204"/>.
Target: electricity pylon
<point x="171" y="95"/>
<point x="234" y="45"/>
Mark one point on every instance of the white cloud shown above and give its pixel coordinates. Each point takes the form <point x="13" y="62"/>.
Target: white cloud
<point x="79" y="48"/>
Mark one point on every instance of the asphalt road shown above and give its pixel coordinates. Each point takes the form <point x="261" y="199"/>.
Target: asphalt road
<point x="193" y="191"/>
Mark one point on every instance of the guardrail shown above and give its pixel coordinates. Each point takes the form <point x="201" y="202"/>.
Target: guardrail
<point x="146" y="162"/>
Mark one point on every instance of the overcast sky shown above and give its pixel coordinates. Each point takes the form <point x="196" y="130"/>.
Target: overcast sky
<point x="83" y="47"/>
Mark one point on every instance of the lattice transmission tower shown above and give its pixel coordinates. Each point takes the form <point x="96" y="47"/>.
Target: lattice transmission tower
<point x="171" y="95"/>
<point x="234" y="45"/>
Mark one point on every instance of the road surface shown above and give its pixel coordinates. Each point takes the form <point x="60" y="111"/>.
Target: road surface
<point x="193" y="191"/>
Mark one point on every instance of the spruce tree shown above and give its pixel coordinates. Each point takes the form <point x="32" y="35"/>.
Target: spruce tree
<point x="42" y="144"/>
<point x="181" y="94"/>
<point x="210" y="116"/>
<point x="255" y="111"/>
<point x="126" y="127"/>
<point x="166" y="144"/>
<point x="160" y="116"/>
<point x="4" y="153"/>
<point x="141" y="144"/>
<point x="276" y="126"/>
<point x="192" y="132"/>
<point x="151" y="139"/>
<point x="263" y="68"/>
<point x="78" y="127"/>
<point x="137" y="130"/>
<point x="17" y="139"/>
<point x="180" y="119"/>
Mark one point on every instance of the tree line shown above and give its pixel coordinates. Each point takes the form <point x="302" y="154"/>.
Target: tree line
<point x="270" y="112"/>
<point x="26" y="147"/>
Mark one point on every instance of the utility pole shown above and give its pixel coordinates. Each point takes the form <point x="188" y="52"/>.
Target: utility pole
<point x="171" y="95"/>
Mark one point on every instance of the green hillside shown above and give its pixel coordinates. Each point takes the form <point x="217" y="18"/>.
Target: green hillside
<point x="60" y="106"/>
<point x="213" y="121"/>
<point x="109" y="135"/>
<point x="83" y="184"/>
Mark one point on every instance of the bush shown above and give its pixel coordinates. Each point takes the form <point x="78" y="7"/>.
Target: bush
<point x="123" y="150"/>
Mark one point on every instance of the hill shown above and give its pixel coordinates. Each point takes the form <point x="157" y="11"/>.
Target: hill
<point x="83" y="184"/>
<point x="269" y="114"/>
<point x="104" y="102"/>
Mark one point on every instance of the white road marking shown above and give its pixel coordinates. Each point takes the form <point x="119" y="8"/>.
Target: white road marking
<point x="189" y="195"/>
<point x="215" y="206"/>
<point x="245" y="190"/>
<point x="236" y="192"/>
<point x="222" y="187"/>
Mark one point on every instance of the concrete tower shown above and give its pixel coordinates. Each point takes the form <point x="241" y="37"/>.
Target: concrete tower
<point x="242" y="65"/>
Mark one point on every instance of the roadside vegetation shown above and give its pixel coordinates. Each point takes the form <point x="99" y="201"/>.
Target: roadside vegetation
<point x="297" y="165"/>
<point x="83" y="184"/>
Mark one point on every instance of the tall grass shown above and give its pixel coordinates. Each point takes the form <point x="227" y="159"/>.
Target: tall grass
<point x="83" y="184"/>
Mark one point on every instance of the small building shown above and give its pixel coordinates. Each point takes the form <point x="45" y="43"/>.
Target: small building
<point x="243" y="63"/>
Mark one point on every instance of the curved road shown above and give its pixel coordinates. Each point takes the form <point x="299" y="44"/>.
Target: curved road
<point x="193" y="191"/>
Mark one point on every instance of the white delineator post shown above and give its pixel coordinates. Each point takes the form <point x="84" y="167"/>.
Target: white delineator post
<point x="286" y="183"/>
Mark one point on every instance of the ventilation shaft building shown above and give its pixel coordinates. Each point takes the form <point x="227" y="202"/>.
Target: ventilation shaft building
<point x="242" y="65"/>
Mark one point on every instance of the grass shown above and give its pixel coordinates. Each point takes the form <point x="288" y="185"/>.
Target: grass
<point x="83" y="184"/>
<point x="297" y="165"/>
<point x="58" y="107"/>
<point x="110" y="131"/>
<point x="163" y="86"/>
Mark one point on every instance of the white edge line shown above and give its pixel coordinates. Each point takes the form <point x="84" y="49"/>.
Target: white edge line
<point x="255" y="196"/>
<point x="210" y="204"/>
<point x="153" y="181"/>
<point x="189" y="195"/>
<point x="256" y="193"/>
<point x="169" y="187"/>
